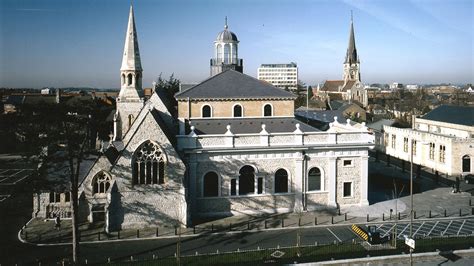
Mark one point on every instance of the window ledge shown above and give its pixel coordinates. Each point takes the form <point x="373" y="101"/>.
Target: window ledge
<point x="316" y="192"/>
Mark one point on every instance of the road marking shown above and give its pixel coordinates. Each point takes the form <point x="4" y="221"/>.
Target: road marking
<point x="461" y="227"/>
<point x="403" y="230"/>
<point x="17" y="172"/>
<point x="334" y="235"/>
<point x="390" y="230"/>
<point x="418" y="229"/>
<point x="3" y="171"/>
<point x="4" y="197"/>
<point x="1" y="180"/>
<point x="19" y="180"/>
<point x="450" y="222"/>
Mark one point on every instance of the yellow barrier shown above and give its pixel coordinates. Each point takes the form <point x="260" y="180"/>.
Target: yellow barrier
<point x="360" y="232"/>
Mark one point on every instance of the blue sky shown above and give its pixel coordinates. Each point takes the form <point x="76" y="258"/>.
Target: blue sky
<point x="79" y="42"/>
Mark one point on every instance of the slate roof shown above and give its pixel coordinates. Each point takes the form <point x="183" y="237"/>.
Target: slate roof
<point x="231" y="84"/>
<point x="461" y="115"/>
<point x="378" y="125"/>
<point x="337" y="85"/>
<point x="326" y="116"/>
<point x="248" y="126"/>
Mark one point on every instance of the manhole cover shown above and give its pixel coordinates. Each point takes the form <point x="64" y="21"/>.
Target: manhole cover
<point x="278" y="254"/>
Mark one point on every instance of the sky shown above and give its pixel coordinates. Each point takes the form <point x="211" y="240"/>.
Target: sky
<point x="62" y="43"/>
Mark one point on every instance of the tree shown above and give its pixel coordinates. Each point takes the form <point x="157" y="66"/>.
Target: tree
<point x="167" y="89"/>
<point x="61" y="128"/>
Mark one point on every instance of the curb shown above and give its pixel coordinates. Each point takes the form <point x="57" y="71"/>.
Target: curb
<point x="385" y="258"/>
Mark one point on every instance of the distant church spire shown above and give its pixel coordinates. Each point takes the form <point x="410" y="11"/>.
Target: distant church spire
<point x="130" y="99"/>
<point x="351" y="56"/>
<point x="351" y="63"/>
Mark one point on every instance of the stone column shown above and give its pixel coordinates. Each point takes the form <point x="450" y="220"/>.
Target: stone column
<point x="332" y="182"/>
<point x="298" y="182"/>
<point x="193" y="191"/>
<point x="364" y="177"/>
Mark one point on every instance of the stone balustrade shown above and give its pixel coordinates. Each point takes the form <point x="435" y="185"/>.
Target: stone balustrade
<point x="265" y="139"/>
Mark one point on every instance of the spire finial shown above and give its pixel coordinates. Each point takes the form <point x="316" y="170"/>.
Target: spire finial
<point x="225" y="26"/>
<point x="351" y="16"/>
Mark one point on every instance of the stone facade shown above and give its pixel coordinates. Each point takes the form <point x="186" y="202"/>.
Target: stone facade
<point x="438" y="145"/>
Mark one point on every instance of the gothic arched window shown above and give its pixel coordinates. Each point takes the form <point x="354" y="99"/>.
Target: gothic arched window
<point x="246" y="180"/>
<point x="101" y="182"/>
<point x="211" y="185"/>
<point x="129" y="79"/>
<point x="314" y="179"/>
<point x="148" y="165"/>
<point x="267" y="110"/>
<point x="123" y="79"/>
<point x="206" y="111"/>
<point x="237" y="110"/>
<point x="281" y="181"/>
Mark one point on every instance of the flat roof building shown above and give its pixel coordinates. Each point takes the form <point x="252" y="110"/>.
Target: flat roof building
<point x="284" y="76"/>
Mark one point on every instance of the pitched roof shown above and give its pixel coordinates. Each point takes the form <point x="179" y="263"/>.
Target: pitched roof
<point x="231" y="84"/>
<point x="248" y="126"/>
<point x="378" y="125"/>
<point x="461" y="115"/>
<point x="332" y="85"/>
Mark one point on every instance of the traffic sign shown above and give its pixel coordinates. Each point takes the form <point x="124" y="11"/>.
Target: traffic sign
<point x="410" y="242"/>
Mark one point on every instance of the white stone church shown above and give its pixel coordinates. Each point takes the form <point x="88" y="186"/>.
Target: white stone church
<point x="234" y="148"/>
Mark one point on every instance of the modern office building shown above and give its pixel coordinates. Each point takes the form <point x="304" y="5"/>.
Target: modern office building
<point x="284" y="76"/>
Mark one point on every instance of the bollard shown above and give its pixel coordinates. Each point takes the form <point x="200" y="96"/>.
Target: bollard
<point x="175" y="230"/>
<point x="299" y="221"/>
<point x="460" y="212"/>
<point x="367" y="217"/>
<point x="445" y="213"/>
<point x="316" y="220"/>
<point x="282" y="222"/>
<point x="230" y="226"/>
<point x="383" y="216"/>
<point x="414" y="214"/>
<point x="339" y="211"/>
<point x="212" y="228"/>
<point x="131" y="258"/>
<point x="98" y="236"/>
<point x="399" y="215"/>
<point x="138" y="233"/>
<point x="472" y="211"/>
<point x="108" y="260"/>
<point x="332" y="219"/>
<point x="156" y="233"/>
<point x="86" y="261"/>
<point x="345" y="216"/>
<point x="265" y="224"/>
<point x="248" y="225"/>
<point x="429" y="214"/>
<point x="118" y="235"/>
<point x="194" y="229"/>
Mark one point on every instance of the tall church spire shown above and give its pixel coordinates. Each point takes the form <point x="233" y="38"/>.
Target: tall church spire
<point x="130" y="99"/>
<point x="131" y="53"/>
<point x="351" y="56"/>
<point x="352" y="63"/>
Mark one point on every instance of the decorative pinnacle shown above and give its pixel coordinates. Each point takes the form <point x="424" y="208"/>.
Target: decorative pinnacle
<point x="225" y="25"/>
<point x="351" y="16"/>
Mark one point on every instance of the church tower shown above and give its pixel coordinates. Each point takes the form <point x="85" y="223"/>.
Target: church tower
<point x="130" y="99"/>
<point x="351" y="64"/>
<point x="226" y="52"/>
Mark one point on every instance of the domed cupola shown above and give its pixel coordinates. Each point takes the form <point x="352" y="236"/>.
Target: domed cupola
<point x="226" y="35"/>
<point x="226" y="52"/>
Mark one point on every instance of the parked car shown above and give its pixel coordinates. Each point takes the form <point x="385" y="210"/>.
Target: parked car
<point x="469" y="179"/>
